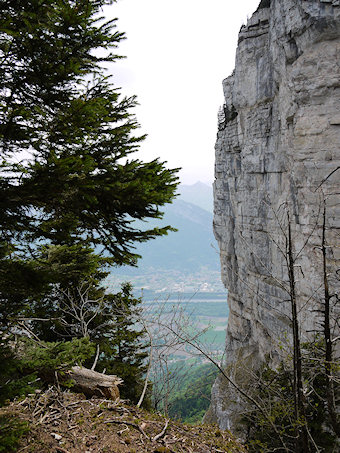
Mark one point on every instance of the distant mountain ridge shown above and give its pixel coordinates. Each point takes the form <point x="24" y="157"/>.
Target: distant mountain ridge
<point x="187" y="249"/>
<point x="188" y="254"/>
<point x="199" y="194"/>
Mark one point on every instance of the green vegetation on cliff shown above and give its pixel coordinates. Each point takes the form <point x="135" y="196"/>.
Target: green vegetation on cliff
<point x="191" y="399"/>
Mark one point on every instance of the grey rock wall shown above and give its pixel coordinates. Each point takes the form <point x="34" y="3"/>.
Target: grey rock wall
<point x="278" y="143"/>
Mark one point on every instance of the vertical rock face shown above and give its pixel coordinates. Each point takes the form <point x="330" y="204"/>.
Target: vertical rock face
<point x="277" y="153"/>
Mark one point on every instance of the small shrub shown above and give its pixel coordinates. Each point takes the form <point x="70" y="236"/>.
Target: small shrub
<point x="11" y="431"/>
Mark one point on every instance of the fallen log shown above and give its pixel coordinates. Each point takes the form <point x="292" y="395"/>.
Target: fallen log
<point x="92" y="383"/>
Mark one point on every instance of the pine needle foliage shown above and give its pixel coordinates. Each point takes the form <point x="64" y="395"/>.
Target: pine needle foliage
<point x="11" y="430"/>
<point x="70" y="180"/>
<point x="78" y="183"/>
<point x="28" y="365"/>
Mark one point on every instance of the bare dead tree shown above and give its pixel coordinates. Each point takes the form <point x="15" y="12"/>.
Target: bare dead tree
<point x="146" y="380"/>
<point x="80" y="309"/>
<point x="302" y="385"/>
<point x="179" y="330"/>
<point x="334" y="417"/>
<point x="302" y="443"/>
<point x="167" y="370"/>
<point x="162" y="348"/>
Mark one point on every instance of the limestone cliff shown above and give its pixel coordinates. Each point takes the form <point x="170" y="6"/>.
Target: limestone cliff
<point x="277" y="152"/>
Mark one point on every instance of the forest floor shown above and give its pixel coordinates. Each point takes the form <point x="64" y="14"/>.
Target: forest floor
<point x="64" y="422"/>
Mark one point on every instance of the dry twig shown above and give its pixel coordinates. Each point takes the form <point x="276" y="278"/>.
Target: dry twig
<point x="161" y="434"/>
<point x="124" y="422"/>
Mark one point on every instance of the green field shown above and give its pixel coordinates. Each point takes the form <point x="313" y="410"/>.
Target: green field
<point x="207" y="315"/>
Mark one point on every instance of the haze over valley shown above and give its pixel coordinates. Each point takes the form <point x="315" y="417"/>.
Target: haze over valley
<point x="185" y="261"/>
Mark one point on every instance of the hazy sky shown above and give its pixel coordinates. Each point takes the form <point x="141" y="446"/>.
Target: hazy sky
<point x="178" y="52"/>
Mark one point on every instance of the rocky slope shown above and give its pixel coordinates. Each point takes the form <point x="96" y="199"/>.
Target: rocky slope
<point x="277" y="154"/>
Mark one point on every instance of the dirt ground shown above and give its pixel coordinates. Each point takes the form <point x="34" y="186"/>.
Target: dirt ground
<point x="64" y="422"/>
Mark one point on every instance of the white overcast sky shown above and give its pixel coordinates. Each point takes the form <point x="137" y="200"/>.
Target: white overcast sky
<point x="178" y="52"/>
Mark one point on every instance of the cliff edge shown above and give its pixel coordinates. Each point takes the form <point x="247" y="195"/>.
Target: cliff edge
<point x="277" y="155"/>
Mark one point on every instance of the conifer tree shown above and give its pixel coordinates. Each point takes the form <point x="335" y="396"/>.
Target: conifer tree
<point x="124" y="348"/>
<point x="71" y="184"/>
<point x="68" y="177"/>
